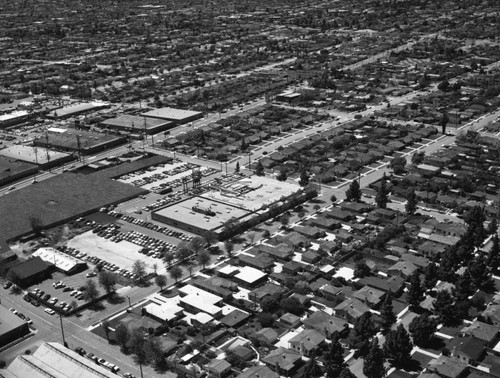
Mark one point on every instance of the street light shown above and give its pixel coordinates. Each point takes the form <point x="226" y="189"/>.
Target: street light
<point x="129" y="304"/>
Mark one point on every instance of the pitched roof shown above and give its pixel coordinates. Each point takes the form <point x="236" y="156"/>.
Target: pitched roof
<point x="447" y="367"/>
<point x="480" y="330"/>
<point x="321" y="321"/>
<point x="308" y="339"/>
<point x="30" y="267"/>
<point x="284" y="358"/>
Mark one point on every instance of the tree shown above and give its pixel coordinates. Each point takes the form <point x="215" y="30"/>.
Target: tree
<point x="203" y="258"/>
<point x="333" y="198"/>
<point x="285" y="220"/>
<point x="281" y="175"/>
<point x="374" y="361"/>
<point x="229" y="247"/>
<point x="304" y="178"/>
<point x="161" y="281"/>
<point x="122" y="335"/>
<point x="411" y="201"/>
<point x="415" y="291"/>
<point x="430" y="275"/>
<point x="251" y="237"/>
<point x="312" y="369"/>
<point x="346" y="373"/>
<point x="197" y="244"/>
<point x="492" y="227"/>
<point x="259" y="169"/>
<point x="137" y="346"/>
<point x="361" y="270"/>
<point x="398" y="346"/>
<point x="444" y="121"/>
<point x="175" y="273"/>
<point x="422" y="329"/>
<point x="243" y="145"/>
<point x="417" y="157"/>
<point x="105" y="327"/>
<point x="398" y="164"/>
<point x="444" y="309"/>
<point x="182" y="251"/>
<point x="353" y="193"/>
<point x="463" y="286"/>
<point x="168" y="258"/>
<point x="382" y="195"/>
<point x="154" y="354"/>
<point x="334" y="358"/>
<point x="494" y="255"/>
<point x="387" y="312"/>
<point x="139" y="269"/>
<point x="90" y="291"/>
<point x="107" y="281"/>
<point x="265" y="319"/>
<point x="364" y="329"/>
<point x="36" y="226"/>
<point x="480" y="274"/>
<point x="292" y="305"/>
<point x="237" y="167"/>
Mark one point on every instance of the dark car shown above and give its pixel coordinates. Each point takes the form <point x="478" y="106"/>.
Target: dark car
<point x="7" y="284"/>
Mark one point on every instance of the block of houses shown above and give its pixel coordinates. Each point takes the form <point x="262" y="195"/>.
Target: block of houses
<point x="395" y="284"/>
<point x="307" y="342"/>
<point x="267" y="335"/>
<point x="326" y="324"/>
<point x="283" y="361"/>
<point x="325" y="223"/>
<point x="268" y="289"/>
<point x="235" y="318"/>
<point x="261" y="261"/>
<point x="289" y="320"/>
<point x="218" y="368"/>
<point x="467" y="349"/>
<point x="351" y="309"/>
<point x="332" y="293"/>
<point x="311" y="257"/>
<point x="310" y="232"/>
<point x="339" y="214"/>
<point x="492" y="314"/>
<point x="259" y="371"/>
<point x="281" y="251"/>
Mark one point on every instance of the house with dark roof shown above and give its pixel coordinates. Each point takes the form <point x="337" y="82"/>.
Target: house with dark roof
<point x="290" y="320"/>
<point x="467" y="349"/>
<point x="267" y="335"/>
<point x="259" y="371"/>
<point x="218" y="368"/>
<point x="310" y="232"/>
<point x="268" y="289"/>
<point x="395" y="284"/>
<point x="487" y="333"/>
<point x="235" y="318"/>
<point x="311" y="257"/>
<point x="326" y="324"/>
<point x="447" y="367"/>
<point x="403" y="269"/>
<point x="492" y="314"/>
<point x="325" y="223"/>
<point x="283" y="361"/>
<point x="351" y="309"/>
<point x="307" y="342"/>
<point x="262" y="261"/>
<point x="370" y="296"/>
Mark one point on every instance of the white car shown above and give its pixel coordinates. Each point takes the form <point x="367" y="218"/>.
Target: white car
<point x="49" y="311"/>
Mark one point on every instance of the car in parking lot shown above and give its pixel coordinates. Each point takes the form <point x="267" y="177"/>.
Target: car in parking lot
<point x="7" y="284"/>
<point x="49" y="311"/>
<point x="14" y="311"/>
<point x="91" y="274"/>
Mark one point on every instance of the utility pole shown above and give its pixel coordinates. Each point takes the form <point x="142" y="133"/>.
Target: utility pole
<point x="62" y="331"/>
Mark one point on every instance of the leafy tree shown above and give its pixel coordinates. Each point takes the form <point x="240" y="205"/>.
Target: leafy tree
<point x="251" y="237"/>
<point x="444" y="309"/>
<point x="90" y="291"/>
<point x="168" y="258"/>
<point x="353" y="193"/>
<point x="259" y="169"/>
<point x="265" y="319"/>
<point x="415" y="291"/>
<point x="244" y="145"/>
<point x="203" y="258"/>
<point x="285" y="220"/>
<point x="183" y="251"/>
<point x="292" y="305"/>
<point x="374" y="361"/>
<point x="422" y="329"/>
<point x="137" y="346"/>
<point x="382" y="195"/>
<point x="364" y="329"/>
<point x="333" y="198"/>
<point x="312" y="369"/>
<point x="387" y="312"/>
<point x="237" y="167"/>
<point x="398" y="164"/>
<point x="411" y="201"/>
<point x="154" y="354"/>
<point x="197" y="244"/>
<point x="361" y="270"/>
<point x="271" y="303"/>
<point x="304" y="178"/>
<point x="345" y="373"/>
<point x="398" y="346"/>
<point x="444" y="121"/>
<point x="175" y="273"/>
<point x="161" y="281"/>
<point x="139" y="269"/>
<point x="430" y="275"/>
<point x="282" y="175"/>
<point x="492" y="227"/>
<point x="122" y="335"/>
<point x="417" y="157"/>
<point x="334" y="358"/>
<point x="107" y="281"/>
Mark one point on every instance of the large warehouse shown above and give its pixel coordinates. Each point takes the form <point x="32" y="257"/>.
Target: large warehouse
<point x="178" y="116"/>
<point x="44" y="158"/>
<point x="63" y="263"/>
<point x="136" y="124"/>
<point x="32" y="271"/>
<point x="199" y="215"/>
<point x="55" y="360"/>
<point x="11" y="327"/>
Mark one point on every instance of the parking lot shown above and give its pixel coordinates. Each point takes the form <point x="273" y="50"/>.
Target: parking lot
<point x="65" y="294"/>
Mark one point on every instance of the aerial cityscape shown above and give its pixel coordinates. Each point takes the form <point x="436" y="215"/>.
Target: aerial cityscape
<point x="250" y="189"/>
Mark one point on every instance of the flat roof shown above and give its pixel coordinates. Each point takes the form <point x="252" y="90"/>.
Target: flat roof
<point x="31" y="154"/>
<point x="253" y="192"/>
<point x="77" y="108"/>
<point x="166" y="311"/>
<point x="69" y="139"/>
<point x="249" y="274"/>
<point x="9" y="321"/>
<point x="183" y="212"/>
<point x="13" y="115"/>
<point x="135" y="122"/>
<point x="171" y="114"/>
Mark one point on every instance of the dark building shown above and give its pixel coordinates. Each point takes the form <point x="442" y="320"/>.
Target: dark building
<point x="32" y="271"/>
<point x="11" y="327"/>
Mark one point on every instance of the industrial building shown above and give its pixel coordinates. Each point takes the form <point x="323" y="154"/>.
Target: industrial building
<point x="55" y="360"/>
<point x="32" y="271"/>
<point x="43" y="158"/>
<point x="136" y="124"/>
<point x="14" y="118"/>
<point x="199" y="215"/>
<point x="11" y="327"/>
<point x="178" y="116"/>
<point x="13" y="170"/>
<point x="62" y="262"/>
<point x="76" y="109"/>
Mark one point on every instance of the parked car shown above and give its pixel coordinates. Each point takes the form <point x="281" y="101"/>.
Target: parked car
<point x="49" y="311"/>
<point x="7" y="284"/>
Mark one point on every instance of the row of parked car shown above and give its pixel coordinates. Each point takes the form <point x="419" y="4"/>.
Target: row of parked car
<point x="178" y="182"/>
<point x="152" y="226"/>
<point x="162" y="175"/>
<point x="162" y="202"/>
<point x="100" y="361"/>
<point x="21" y="315"/>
